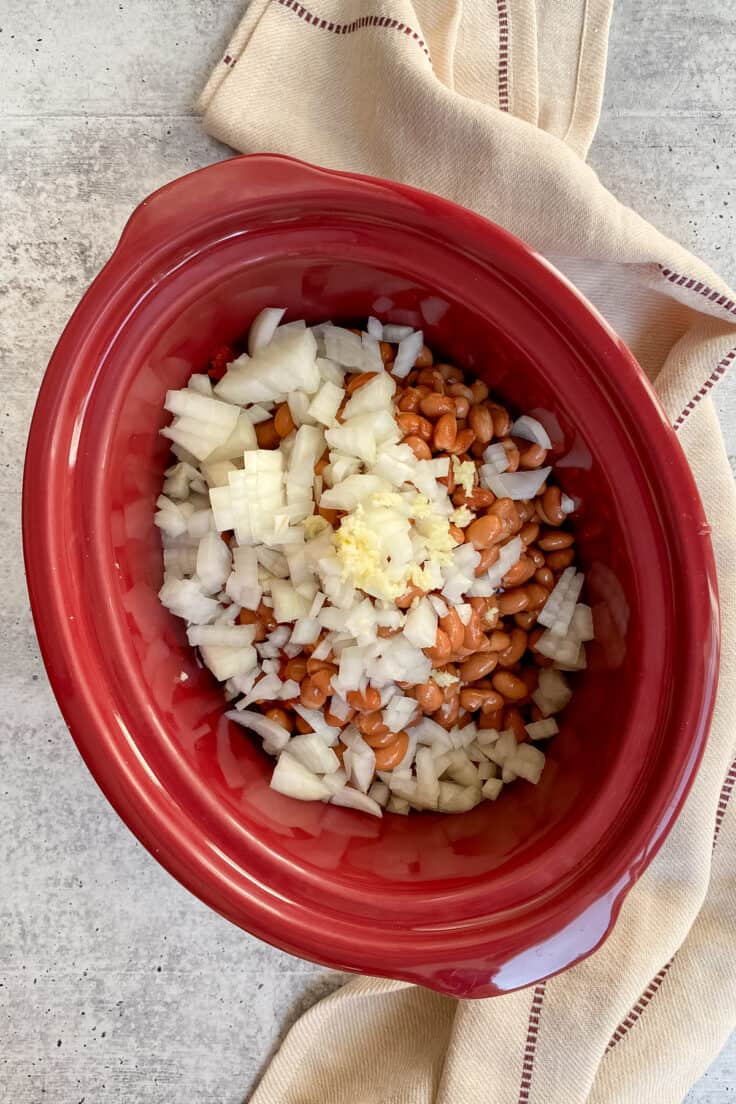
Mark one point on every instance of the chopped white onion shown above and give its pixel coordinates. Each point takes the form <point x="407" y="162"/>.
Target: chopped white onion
<point x="263" y="327"/>
<point x="515" y="485"/>
<point x="407" y="353"/>
<point x="530" y="429"/>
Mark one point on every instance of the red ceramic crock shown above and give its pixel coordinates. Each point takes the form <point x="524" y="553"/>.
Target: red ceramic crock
<point x="471" y="905"/>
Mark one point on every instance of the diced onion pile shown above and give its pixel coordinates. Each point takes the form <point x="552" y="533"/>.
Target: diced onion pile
<point x="302" y="522"/>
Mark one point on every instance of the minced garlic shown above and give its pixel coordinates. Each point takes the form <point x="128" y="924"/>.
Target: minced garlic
<point x="391" y="540"/>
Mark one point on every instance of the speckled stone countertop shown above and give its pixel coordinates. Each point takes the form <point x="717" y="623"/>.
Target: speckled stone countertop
<point x="115" y="983"/>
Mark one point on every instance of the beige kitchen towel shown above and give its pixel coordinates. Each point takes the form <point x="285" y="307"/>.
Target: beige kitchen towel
<point x="494" y="103"/>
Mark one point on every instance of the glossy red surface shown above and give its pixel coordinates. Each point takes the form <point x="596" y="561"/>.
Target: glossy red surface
<point x="471" y="905"/>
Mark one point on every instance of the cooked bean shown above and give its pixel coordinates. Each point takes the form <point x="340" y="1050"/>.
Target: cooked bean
<point x="425" y="357"/>
<point x="473" y="699"/>
<point x="479" y="390"/>
<point x="462" y="408"/>
<point x="525" y="510"/>
<point x="250" y="617"/>
<point x="445" y="432"/>
<point x="463" y="441"/>
<point x="473" y="635"/>
<point x="512" y="719"/>
<point x="551" y="504"/>
<point x="536" y="557"/>
<point x="478" y="666"/>
<point x="333" y="516"/>
<point x="552" y="540"/>
<point x="460" y="391"/>
<point x="447" y="713"/>
<point x="531" y="457"/>
<point x="454" y="629"/>
<point x="499" y="641"/>
<point x="371" y="724"/>
<point x="545" y="577"/>
<point x="266" y="617"/>
<point x="492" y="719"/>
<point x="522" y="570"/>
<point x="481" y="423"/>
<point x="391" y="755"/>
<point x="441" y="651"/>
<point x="428" y="696"/>
<point x="413" y="425"/>
<point x="367" y="700"/>
<point x="488" y="557"/>
<point x="434" y="406"/>
<point x="302" y="726"/>
<point x="457" y="534"/>
<point x="501" y="420"/>
<point x="283" y="422"/>
<point x="281" y="717"/>
<point x="419" y="447"/>
<point x="450" y="373"/>
<point x="512" y="455"/>
<point x="322" y="680"/>
<point x="266" y="435"/>
<point x="512" y="688"/>
<point x="485" y="531"/>
<point x="315" y="665"/>
<point x="513" y="601"/>
<point x="379" y="739"/>
<point x="296" y="668"/>
<point x="526" y="620"/>
<point x="312" y="695"/>
<point x="431" y="381"/>
<point x="537" y="595"/>
<point x="528" y="532"/>
<point x="511" y="655"/>
<point x="558" y="561"/>
<point x="505" y="509"/>
<point x="387" y="352"/>
<point x="409" y="401"/>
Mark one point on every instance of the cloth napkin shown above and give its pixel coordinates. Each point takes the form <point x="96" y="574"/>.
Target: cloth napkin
<point x="494" y="103"/>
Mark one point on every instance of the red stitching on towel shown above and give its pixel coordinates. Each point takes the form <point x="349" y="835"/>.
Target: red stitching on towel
<point x="628" y="1022"/>
<point x="691" y="284"/>
<point x="503" y="55"/>
<point x="530" y="1048"/>
<point x="711" y="381"/>
<point x="700" y="288"/>
<point x="357" y="24"/>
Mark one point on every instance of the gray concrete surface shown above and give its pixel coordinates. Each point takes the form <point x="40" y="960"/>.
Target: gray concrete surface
<point x="115" y="984"/>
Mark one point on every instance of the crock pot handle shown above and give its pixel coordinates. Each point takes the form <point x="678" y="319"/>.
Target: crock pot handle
<point x="259" y="181"/>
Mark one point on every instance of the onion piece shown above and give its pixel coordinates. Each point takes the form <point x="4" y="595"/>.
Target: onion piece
<point x="457" y="799"/>
<point x="315" y="718"/>
<point x="263" y="327"/>
<point x="394" y="334"/>
<point x="407" y="353"/>
<point x="527" y="762"/>
<point x="292" y="778"/>
<point x="542" y="730"/>
<point x="314" y="753"/>
<point x="375" y="328"/>
<point x="275" y="737"/>
<point x="491" y="788"/>
<point x="530" y="429"/>
<point x="515" y="485"/>
<point x="354" y="799"/>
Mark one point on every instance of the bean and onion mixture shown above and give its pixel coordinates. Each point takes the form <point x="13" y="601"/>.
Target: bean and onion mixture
<point x="373" y="557"/>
